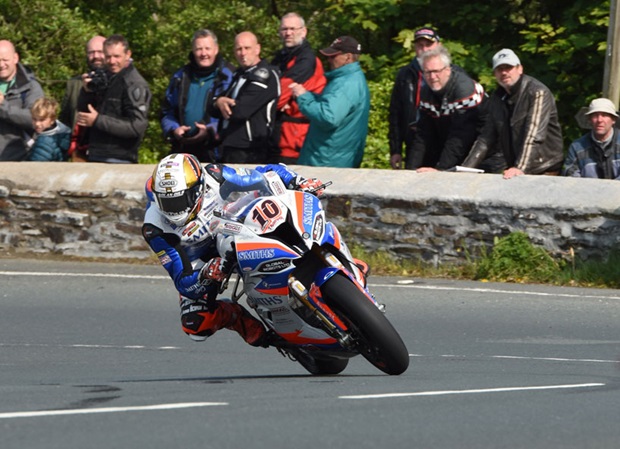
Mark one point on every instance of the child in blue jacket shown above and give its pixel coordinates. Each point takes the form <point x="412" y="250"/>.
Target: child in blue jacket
<point x="51" y="138"/>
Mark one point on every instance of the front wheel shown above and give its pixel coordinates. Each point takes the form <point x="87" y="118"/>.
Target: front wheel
<point x="321" y="366"/>
<point x="378" y="341"/>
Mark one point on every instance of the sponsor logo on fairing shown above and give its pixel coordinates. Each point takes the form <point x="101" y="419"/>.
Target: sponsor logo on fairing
<point x="232" y="227"/>
<point x="317" y="230"/>
<point x="256" y="254"/>
<point x="308" y="210"/>
<point x="274" y="265"/>
<point x="267" y="301"/>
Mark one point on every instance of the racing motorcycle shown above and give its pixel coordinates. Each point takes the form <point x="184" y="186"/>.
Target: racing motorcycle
<point x="297" y="273"/>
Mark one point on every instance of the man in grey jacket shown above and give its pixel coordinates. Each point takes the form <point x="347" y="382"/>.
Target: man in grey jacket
<point x="18" y="91"/>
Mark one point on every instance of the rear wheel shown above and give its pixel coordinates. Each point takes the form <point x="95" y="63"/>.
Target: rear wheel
<point x="377" y="339"/>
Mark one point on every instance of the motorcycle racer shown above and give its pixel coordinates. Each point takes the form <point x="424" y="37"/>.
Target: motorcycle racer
<point x="182" y="195"/>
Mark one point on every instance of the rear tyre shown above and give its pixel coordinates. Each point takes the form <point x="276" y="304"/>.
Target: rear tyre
<point x="378" y="341"/>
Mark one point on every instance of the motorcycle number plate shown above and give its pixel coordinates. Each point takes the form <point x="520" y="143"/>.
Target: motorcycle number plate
<point x="267" y="215"/>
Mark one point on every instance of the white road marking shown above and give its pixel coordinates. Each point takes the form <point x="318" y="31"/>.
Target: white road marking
<point x="518" y="357"/>
<point x="399" y="284"/>
<point x="87" y="411"/>
<point x="79" y="275"/>
<point x="45" y="345"/>
<point x="553" y="359"/>
<point x="493" y="290"/>
<point x="477" y="391"/>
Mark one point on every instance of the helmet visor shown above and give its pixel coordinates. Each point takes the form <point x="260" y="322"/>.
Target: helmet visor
<point x="179" y="203"/>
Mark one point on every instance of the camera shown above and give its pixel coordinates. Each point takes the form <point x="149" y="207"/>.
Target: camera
<point x="98" y="80"/>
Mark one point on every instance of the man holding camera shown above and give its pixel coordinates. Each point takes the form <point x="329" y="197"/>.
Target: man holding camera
<point x="115" y="104"/>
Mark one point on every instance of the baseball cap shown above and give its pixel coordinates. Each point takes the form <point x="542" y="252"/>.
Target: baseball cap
<point x="426" y="33"/>
<point x="343" y="44"/>
<point x="505" y="57"/>
<point x="602" y="105"/>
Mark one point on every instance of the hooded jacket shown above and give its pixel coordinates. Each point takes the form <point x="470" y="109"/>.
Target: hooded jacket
<point x="52" y="144"/>
<point x="15" y="116"/>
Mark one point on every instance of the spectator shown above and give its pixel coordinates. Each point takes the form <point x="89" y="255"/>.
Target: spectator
<point x="51" y="138"/>
<point x="95" y="60"/>
<point x="522" y="123"/>
<point x="449" y="114"/>
<point x="116" y="107"/>
<point x="18" y="92"/>
<point x="339" y="115"/>
<point x="248" y="107"/>
<point x="403" y="112"/>
<point x="186" y="124"/>
<point x="597" y="153"/>
<point x="298" y="64"/>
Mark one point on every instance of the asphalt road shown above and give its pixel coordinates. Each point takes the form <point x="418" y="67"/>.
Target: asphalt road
<point x="92" y="356"/>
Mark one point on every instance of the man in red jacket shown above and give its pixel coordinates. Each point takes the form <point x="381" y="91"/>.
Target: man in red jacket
<point x="298" y="64"/>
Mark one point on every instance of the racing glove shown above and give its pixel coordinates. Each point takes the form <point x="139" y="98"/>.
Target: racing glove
<point x="213" y="271"/>
<point x="309" y="185"/>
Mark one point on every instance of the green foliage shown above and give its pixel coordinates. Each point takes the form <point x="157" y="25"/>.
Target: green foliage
<point x="377" y="153"/>
<point x="515" y="259"/>
<point x="594" y="273"/>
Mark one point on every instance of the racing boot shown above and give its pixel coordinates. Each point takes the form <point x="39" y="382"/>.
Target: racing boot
<point x="242" y="322"/>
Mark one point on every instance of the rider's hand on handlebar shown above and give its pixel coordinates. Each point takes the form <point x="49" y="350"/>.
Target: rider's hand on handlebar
<point x="213" y="270"/>
<point x="310" y="185"/>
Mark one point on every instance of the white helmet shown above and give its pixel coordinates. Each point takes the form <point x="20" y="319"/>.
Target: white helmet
<point x="178" y="184"/>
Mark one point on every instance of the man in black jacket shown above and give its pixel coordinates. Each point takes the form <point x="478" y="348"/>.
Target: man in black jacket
<point x="522" y="125"/>
<point x="247" y="110"/>
<point x="403" y="113"/>
<point x="450" y="114"/>
<point x="115" y="112"/>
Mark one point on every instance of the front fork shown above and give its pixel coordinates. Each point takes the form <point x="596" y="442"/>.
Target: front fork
<point x="312" y="299"/>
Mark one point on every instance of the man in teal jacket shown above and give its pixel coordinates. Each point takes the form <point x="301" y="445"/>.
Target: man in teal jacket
<point x="339" y="115"/>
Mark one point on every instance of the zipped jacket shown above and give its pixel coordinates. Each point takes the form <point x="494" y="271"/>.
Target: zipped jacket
<point x="297" y="65"/>
<point x="450" y="120"/>
<point x="524" y="126"/>
<point x="403" y="110"/>
<point x="15" y="116"/>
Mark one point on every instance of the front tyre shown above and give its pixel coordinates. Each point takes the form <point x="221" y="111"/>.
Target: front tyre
<point x="321" y="366"/>
<point x="378" y="341"/>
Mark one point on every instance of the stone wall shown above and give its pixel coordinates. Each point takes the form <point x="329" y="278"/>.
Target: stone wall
<point x="95" y="210"/>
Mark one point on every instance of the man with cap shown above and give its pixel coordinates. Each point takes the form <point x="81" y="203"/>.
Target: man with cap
<point x="522" y="123"/>
<point x="339" y="115"/>
<point x="403" y="112"/>
<point x="597" y="153"/>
